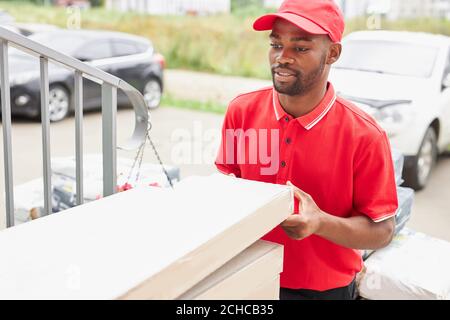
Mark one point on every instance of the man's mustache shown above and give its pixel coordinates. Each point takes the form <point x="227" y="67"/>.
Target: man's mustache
<point x="284" y="67"/>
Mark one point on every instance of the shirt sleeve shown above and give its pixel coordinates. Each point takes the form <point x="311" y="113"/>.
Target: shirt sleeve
<point x="226" y="160"/>
<point x="375" y="191"/>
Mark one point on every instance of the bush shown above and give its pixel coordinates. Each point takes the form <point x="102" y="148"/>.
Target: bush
<point x="97" y="3"/>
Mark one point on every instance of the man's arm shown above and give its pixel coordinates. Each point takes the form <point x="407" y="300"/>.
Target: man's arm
<point x="355" y="232"/>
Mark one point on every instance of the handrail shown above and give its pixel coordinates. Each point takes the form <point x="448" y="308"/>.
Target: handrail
<point x="109" y="84"/>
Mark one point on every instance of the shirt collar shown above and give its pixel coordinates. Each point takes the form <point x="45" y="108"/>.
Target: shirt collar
<point x="308" y="121"/>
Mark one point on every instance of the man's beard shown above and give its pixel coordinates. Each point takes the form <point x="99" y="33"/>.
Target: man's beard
<point x="303" y="83"/>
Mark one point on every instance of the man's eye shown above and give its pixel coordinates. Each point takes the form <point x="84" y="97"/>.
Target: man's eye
<point x="301" y="49"/>
<point x="275" y="46"/>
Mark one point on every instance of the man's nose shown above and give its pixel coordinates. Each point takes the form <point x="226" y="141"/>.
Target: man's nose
<point x="284" y="58"/>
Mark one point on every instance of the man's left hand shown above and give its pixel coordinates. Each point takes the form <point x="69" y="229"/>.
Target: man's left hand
<point x="308" y="221"/>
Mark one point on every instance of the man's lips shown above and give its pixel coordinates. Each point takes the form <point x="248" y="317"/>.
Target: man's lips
<point x="283" y="75"/>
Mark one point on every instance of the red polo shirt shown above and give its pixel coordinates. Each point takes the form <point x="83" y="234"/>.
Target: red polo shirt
<point x="336" y="153"/>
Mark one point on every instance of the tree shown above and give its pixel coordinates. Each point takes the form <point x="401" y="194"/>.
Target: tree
<point x="97" y="3"/>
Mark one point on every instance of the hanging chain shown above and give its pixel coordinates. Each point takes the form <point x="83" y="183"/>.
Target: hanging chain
<point x="160" y="162"/>
<point x="140" y="155"/>
<point x="141" y="147"/>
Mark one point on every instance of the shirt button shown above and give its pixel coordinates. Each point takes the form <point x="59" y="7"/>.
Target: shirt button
<point x="286" y="118"/>
<point x="288" y="140"/>
<point x="283" y="164"/>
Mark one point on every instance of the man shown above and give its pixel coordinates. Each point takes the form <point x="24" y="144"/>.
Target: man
<point x="335" y="156"/>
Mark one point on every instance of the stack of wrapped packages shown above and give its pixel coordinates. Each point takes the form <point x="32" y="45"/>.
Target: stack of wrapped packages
<point x="413" y="267"/>
<point x="29" y="197"/>
<point x="405" y="198"/>
<point x="405" y="195"/>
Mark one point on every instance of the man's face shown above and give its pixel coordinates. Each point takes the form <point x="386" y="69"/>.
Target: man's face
<point x="298" y="59"/>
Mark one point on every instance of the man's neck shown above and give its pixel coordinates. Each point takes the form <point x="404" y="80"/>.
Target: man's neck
<point x="301" y="105"/>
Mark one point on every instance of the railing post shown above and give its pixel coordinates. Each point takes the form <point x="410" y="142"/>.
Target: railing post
<point x="6" y="124"/>
<point x="78" y="101"/>
<point x="45" y="120"/>
<point x="109" y="113"/>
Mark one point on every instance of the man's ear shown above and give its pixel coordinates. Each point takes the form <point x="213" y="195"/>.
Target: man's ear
<point x="334" y="52"/>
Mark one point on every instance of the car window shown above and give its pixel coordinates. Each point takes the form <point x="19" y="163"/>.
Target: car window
<point x="67" y="44"/>
<point x="124" y="48"/>
<point x="142" y="47"/>
<point x="95" y="50"/>
<point x="395" y="58"/>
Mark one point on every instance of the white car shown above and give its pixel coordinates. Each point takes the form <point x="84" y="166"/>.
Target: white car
<point x="402" y="79"/>
<point x="28" y="29"/>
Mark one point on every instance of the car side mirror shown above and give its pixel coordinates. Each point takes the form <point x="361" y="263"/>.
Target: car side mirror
<point x="446" y="82"/>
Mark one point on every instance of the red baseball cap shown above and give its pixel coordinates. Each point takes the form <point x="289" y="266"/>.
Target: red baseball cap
<point x="313" y="16"/>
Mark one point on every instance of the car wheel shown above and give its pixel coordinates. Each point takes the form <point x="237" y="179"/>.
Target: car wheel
<point x="59" y="103"/>
<point x="152" y="93"/>
<point x="416" y="175"/>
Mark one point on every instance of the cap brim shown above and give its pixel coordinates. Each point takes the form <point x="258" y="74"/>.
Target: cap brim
<point x="266" y="22"/>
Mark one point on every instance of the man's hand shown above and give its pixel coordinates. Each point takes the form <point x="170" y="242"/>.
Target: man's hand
<point x="358" y="232"/>
<point x="308" y="221"/>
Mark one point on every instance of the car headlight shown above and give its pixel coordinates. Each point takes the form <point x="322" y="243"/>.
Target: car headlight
<point x="393" y="118"/>
<point x="22" y="100"/>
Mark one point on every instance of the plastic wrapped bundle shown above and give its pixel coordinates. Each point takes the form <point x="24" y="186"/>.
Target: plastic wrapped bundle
<point x="64" y="181"/>
<point x="405" y="202"/>
<point x="29" y="197"/>
<point x="398" y="159"/>
<point x="366" y="254"/>
<point x="413" y="267"/>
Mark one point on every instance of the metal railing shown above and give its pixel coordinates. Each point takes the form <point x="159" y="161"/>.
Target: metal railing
<point x="81" y="70"/>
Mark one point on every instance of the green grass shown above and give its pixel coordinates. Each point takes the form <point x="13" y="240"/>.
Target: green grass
<point x="223" y="44"/>
<point x="209" y="106"/>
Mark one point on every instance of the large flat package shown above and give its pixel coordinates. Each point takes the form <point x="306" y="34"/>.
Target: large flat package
<point x="145" y="243"/>
<point x="268" y="291"/>
<point x="414" y="266"/>
<point x="253" y="274"/>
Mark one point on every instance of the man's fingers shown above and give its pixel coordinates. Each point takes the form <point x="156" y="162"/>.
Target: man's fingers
<point x="232" y="175"/>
